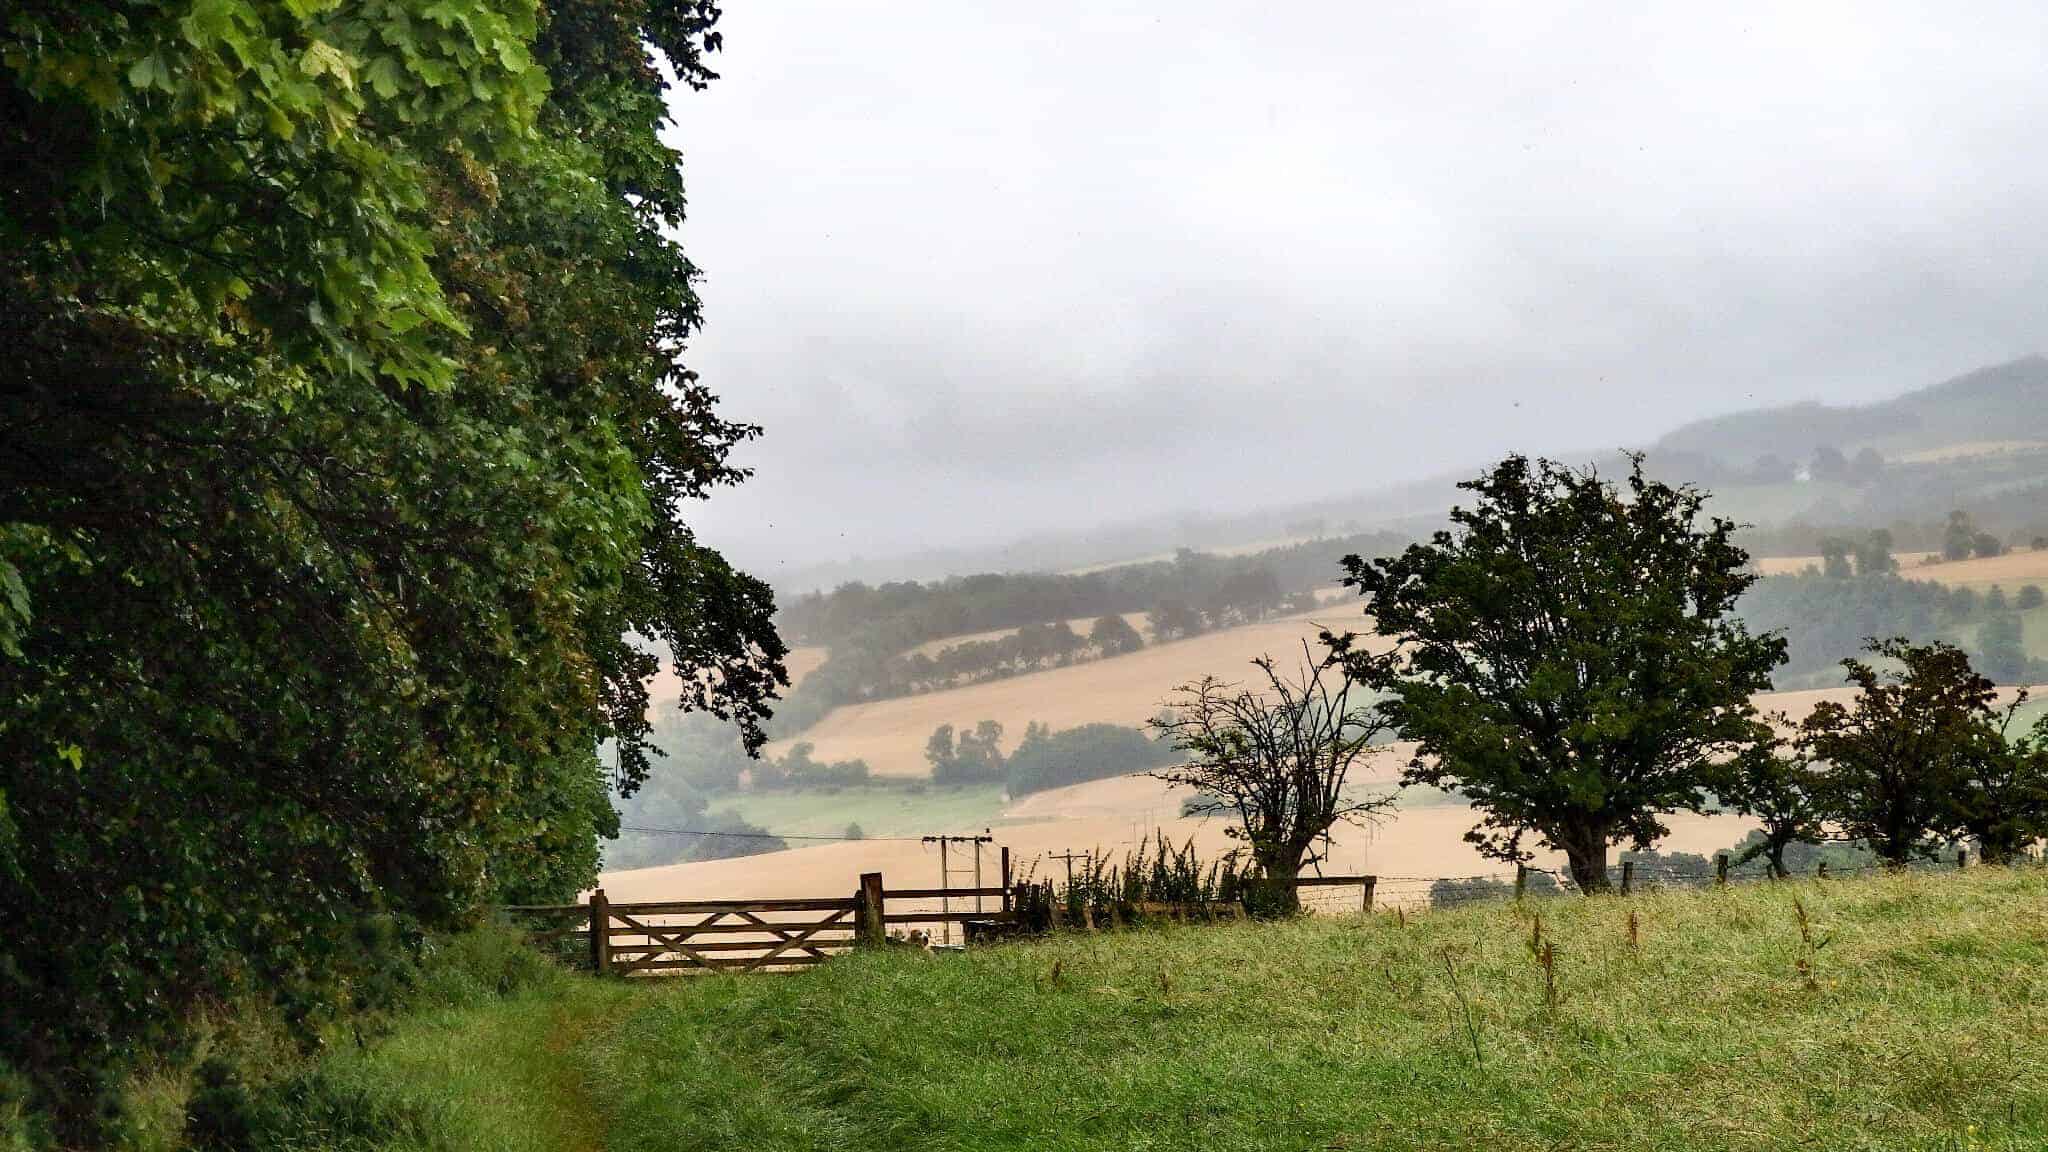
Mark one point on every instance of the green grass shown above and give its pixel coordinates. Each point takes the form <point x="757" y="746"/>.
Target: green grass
<point x="1926" y="1026"/>
<point x="501" y="1079"/>
<point x="1920" y="1021"/>
<point x="880" y="810"/>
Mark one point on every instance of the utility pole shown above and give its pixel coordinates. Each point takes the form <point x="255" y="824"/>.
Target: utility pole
<point x="946" y="874"/>
<point x="1070" y="857"/>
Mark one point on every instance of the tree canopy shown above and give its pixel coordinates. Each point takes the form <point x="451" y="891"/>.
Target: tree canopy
<point x="1568" y="658"/>
<point x="343" y="456"/>
<point x="1921" y="756"/>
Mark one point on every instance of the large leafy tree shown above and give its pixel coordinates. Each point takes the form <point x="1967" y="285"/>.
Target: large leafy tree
<point x="1920" y="756"/>
<point x="1777" y="789"/>
<point x="1568" y="658"/>
<point x="343" y="451"/>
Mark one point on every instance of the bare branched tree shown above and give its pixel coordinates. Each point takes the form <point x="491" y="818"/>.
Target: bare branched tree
<point x="1276" y="755"/>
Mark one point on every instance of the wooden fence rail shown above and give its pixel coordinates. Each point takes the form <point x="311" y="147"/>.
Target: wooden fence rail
<point x="748" y="935"/>
<point x="783" y="934"/>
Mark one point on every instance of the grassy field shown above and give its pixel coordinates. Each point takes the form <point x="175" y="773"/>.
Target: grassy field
<point x="1902" y="1012"/>
<point x="888" y="810"/>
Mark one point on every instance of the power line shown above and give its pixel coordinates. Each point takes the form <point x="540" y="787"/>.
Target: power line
<point x="758" y="835"/>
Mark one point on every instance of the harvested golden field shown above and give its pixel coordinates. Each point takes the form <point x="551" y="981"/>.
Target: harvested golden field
<point x="1424" y="838"/>
<point x="2019" y="567"/>
<point x="2011" y="571"/>
<point x="1794" y="565"/>
<point x="890" y="734"/>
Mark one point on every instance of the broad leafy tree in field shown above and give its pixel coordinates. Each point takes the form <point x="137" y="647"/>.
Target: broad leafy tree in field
<point x="1112" y="635"/>
<point x="1777" y="789"/>
<point x="1277" y="756"/>
<point x="2003" y="806"/>
<point x="1568" y="658"/>
<point x="343" y="446"/>
<point x="1897" y="760"/>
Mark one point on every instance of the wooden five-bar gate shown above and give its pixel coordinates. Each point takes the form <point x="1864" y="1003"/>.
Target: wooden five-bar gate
<point x="782" y="935"/>
<point x="755" y="935"/>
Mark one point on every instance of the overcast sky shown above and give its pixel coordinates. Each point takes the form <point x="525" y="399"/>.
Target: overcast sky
<point x="984" y="270"/>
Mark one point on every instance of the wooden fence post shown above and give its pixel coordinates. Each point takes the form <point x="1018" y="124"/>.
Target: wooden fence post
<point x="1820" y="871"/>
<point x="1628" y="876"/>
<point x="868" y="915"/>
<point x="1721" y="868"/>
<point x="1371" y="882"/>
<point x="600" y="933"/>
<point x="1006" y="880"/>
<point x="1521" y="880"/>
<point x="1962" y="858"/>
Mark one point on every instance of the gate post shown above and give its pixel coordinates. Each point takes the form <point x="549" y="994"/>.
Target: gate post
<point x="1371" y="882"/>
<point x="869" y="914"/>
<point x="600" y="933"/>
<point x="1628" y="876"/>
<point x="1006" y="880"/>
<point x="1721" y="869"/>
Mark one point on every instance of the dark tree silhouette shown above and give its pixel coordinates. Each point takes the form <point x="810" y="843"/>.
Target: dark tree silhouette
<point x="1776" y="789"/>
<point x="1277" y="756"/>
<point x="1568" y="657"/>
<point x="1896" y="759"/>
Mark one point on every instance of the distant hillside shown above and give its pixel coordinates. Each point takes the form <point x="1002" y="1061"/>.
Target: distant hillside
<point x="2003" y="403"/>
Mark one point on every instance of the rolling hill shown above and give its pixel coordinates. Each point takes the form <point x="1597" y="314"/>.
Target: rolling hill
<point x="2004" y="404"/>
<point x="890" y="734"/>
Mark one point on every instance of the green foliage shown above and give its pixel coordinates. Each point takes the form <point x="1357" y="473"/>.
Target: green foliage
<point x="1112" y="635"/>
<point x="1898" y="759"/>
<point x="736" y="837"/>
<point x="342" y="454"/>
<point x="1834" y="557"/>
<point x="1173" y="618"/>
<point x="1874" y="553"/>
<point x="798" y="770"/>
<point x="1780" y="792"/>
<point x="1103" y="891"/>
<point x="1048" y="759"/>
<point x="975" y="757"/>
<point x="1824" y="619"/>
<point x="1569" y="658"/>
<point x="1963" y="539"/>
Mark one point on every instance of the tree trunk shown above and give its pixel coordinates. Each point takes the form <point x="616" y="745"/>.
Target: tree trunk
<point x="1272" y="894"/>
<point x="1774" y="850"/>
<point x="1586" y="851"/>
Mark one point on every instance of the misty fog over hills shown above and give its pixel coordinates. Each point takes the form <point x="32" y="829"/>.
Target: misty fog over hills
<point x="1979" y="439"/>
